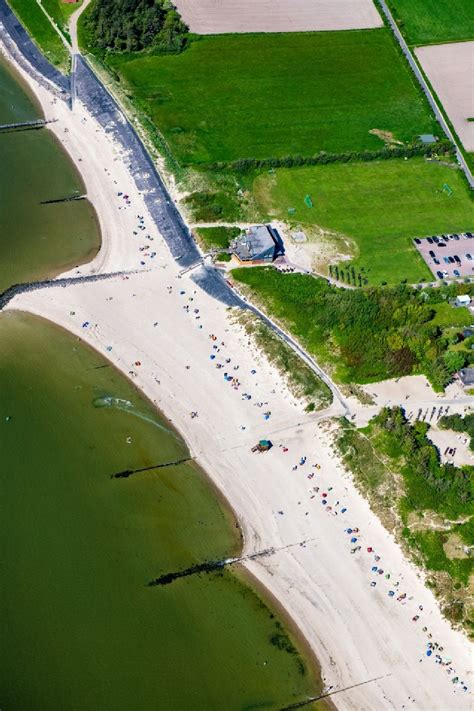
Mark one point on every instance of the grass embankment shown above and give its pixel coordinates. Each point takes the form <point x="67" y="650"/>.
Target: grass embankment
<point x="61" y="11"/>
<point x="301" y="380"/>
<point x="243" y="96"/>
<point x="42" y="31"/>
<point x="434" y="21"/>
<point x="428" y="505"/>
<point x="216" y="237"/>
<point x="363" y="335"/>
<point x="380" y="205"/>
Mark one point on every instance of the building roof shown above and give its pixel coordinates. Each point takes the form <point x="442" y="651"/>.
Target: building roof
<point x="463" y="299"/>
<point x="467" y="376"/>
<point x="428" y="138"/>
<point x="255" y="242"/>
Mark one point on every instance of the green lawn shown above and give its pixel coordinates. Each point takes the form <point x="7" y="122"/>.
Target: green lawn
<point x="381" y="205"/>
<point x="447" y="316"/>
<point x="259" y="96"/>
<point x="61" y="11"/>
<point x="40" y="28"/>
<point x="434" y="21"/>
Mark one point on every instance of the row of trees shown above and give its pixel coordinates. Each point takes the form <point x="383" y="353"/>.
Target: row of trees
<point x="443" y="147"/>
<point x="347" y="275"/>
<point x="134" y="25"/>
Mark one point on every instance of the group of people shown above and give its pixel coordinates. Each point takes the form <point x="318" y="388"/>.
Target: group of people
<point x="379" y="578"/>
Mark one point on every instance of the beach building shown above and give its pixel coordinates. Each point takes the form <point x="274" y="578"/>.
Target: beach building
<point x="258" y="245"/>
<point x="427" y="138"/>
<point x="466" y="376"/>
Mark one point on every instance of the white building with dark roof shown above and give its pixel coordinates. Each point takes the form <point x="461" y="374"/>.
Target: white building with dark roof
<point x="259" y="244"/>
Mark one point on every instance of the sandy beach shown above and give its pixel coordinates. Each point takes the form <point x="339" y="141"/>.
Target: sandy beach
<point x="183" y="349"/>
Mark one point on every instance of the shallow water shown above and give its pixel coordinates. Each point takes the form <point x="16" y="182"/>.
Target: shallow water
<point x="80" y="628"/>
<point x="37" y="241"/>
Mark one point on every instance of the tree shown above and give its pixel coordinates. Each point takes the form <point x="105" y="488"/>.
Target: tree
<point x="454" y="360"/>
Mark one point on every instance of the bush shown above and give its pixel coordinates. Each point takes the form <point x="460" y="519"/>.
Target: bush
<point x="369" y="335"/>
<point x="443" y="147"/>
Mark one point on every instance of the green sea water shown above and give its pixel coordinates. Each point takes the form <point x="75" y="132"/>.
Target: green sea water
<point x="37" y="241"/>
<point x="80" y="629"/>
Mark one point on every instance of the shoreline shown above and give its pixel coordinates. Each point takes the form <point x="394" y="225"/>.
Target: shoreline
<point x="271" y="602"/>
<point x="319" y="592"/>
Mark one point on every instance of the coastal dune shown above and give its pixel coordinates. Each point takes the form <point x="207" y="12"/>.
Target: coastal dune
<point x="160" y="329"/>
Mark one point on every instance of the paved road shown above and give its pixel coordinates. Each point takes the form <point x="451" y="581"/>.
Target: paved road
<point x="427" y="91"/>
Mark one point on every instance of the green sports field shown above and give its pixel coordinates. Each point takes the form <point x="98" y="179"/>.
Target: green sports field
<point x="42" y="31"/>
<point x="258" y="96"/>
<point x="381" y="205"/>
<point x="434" y="21"/>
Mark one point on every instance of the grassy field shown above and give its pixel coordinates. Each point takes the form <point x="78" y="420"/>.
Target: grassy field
<point x="40" y="28"/>
<point x="434" y="21"/>
<point x="259" y="96"/>
<point x="381" y="205"/>
<point x="60" y="11"/>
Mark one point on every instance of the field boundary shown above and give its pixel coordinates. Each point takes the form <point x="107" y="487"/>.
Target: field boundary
<point x="246" y="164"/>
<point x="434" y="102"/>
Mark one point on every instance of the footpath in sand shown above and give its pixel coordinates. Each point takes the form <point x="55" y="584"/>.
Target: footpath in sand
<point x="183" y="350"/>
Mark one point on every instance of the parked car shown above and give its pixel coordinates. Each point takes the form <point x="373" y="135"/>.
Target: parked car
<point x="442" y="244"/>
<point x="469" y="257"/>
<point x="435" y="239"/>
<point x="439" y="275"/>
<point x="456" y="259"/>
<point x="429" y="240"/>
<point x="456" y="237"/>
<point x="446" y="260"/>
<point x="432" y="254"/>
<point x="417" y="241"/>
<point x="456" y="273"/>
<point x="451" y="260"/>
<point x="436" y="260"/>
<point x="469" y="235"/>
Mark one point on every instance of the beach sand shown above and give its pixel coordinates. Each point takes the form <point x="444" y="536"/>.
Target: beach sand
<point x="148" y="326"/>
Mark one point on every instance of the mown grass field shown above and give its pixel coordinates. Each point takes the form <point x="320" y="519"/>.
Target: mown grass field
<point x="381" y="205"/>
<point x="434" y="21"/>
<point x="60" y="11"/>
<point x="259" y="96"/>
<point x="41" y="30"/>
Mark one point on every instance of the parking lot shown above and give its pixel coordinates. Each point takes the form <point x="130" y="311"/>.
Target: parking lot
<point x="448" y="256"/>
